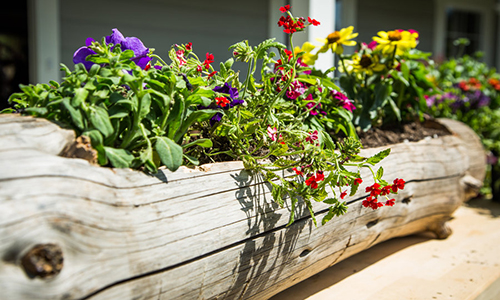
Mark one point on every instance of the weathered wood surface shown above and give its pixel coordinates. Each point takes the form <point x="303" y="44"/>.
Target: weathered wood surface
<point x="206" y="233"/>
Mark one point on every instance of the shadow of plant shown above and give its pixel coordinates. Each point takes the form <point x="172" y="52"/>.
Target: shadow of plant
<point x="270" y="244"/>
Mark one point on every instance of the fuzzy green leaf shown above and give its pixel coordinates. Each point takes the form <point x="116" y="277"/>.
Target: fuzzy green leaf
<point x="169" y="152"/>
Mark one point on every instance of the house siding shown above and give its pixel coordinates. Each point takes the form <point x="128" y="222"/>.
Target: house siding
<point x="212" y="26"/>
<point x="374" y="16"/>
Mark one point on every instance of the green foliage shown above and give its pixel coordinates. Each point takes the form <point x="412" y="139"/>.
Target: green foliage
<point x="467" y="90"/>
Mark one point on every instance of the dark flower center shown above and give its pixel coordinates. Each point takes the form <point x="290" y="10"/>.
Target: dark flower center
<point x="333" y="37"/>
<point x="365" y="61"/>
<point x="394" y="36"/>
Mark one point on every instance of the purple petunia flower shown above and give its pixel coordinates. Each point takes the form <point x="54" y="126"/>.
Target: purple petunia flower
<point x="127" y="43"/>
<point x="233" y="96"/>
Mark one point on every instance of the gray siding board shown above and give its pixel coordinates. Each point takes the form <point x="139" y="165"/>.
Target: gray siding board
<point x="384" y="15"/>
<point x="212" y="26"/>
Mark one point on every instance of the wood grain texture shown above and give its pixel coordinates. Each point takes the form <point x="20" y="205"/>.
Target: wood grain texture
<point x="207" y="233"/>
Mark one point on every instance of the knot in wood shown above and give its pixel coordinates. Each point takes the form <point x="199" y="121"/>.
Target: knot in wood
<point x="43" y="260"/>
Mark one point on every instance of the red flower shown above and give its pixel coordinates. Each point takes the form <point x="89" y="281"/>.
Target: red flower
<point x="189" y="46"/>
<point x="343" y="194"/>
<point x="311" y="181"/>
<point x="208" y="61"/>
<point x="386" y="190"/>
<point x="285" y="8"/>
<point x="290" y="24"/>
<point x="390" y="202"/>
<point x="374" y="190"/>
<point x="212" y="74"/>
<point x="313" y="21"/>
<point x="298" y="172"/>
<point x="313" y="136"/>
<point x="398" y="184"/>
<point x="147" y="67"/>
<point x="320" y="176"/>
<point x="463" y="85"/>
<point x="358" y="181"/>
<point x="222" y="101"/>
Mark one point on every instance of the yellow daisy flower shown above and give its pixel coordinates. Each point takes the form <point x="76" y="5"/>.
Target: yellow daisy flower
<point x="367" y="64"/>
<point x="337" y="39"/>
<point x="308" y="58"/>
<point x="402" y="39"/>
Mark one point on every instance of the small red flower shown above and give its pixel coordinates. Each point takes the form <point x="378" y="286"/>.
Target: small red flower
<point x="311" y="182"/>
<point x="285" y="8"/>
<point x="147" y="67"/>
<point x="209" y="60"/>
<point x="374" y="190"/>
<point x="386" y="190"/>
<point x="212" y="74"/>
<point x="463" y="85"/>
<point x="189" y="46"/>
<point x="343" y="194"/>
<point x="313" y="136"/>
<point x="390" y="202"/>
<point x="320" y="176"/>
<point x="313" y="21"/>
<point x="358" y="181"/>
<point x="398" y="184"/>
<point x="222" y="101"/>
<point x="199" y="68"/>
<point x="298" y="172"/>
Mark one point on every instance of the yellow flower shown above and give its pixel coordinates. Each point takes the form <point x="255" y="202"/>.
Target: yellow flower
<point x="337" y="39"/>
<point x="367" y="64"/>
<point x="308" y="58"/>
<point x="362" y="64"/>
<point x="402" y="39"/>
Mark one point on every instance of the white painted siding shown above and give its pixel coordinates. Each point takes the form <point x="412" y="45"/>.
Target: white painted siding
<point x="212" y="26"/>
<point x="374" y="16"/>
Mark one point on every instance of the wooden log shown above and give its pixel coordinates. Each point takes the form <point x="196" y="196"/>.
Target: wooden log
<point x="73" y="230"/>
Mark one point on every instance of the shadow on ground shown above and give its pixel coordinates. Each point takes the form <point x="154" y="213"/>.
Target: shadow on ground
<point x="351" y="265"/>
<point x="485" y="206"/>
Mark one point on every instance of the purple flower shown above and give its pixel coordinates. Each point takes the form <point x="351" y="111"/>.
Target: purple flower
<point x="233" y="96"/>
<point x="83" y="52"/>
<point x="127" y="43"/>
<point x="231" y="91"/>
<point x="130" y="43"/>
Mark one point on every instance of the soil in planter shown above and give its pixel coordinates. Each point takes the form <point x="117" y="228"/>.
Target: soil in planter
<point x="411" y="132"/>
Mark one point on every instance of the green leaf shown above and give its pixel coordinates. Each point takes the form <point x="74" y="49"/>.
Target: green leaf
<point x="330" y="201"/>
<point x="169" y="152"/>
<point x="205" y="143"/>
<point x="94" y="70"/>
<point x="76" y="114"/>
<point x="196" y="116"/>
<point x="395" y="108"/>
<point x="126" y="55"/>
<point x="380" y="173"/>
<point x="80" y="96"/>
<point x="40" y="111"/>
<point x="328" y="216"/>
<point x="97" y="59"/>
<point x="145" y="106"/>
<point x="197" y="81"/>
<point x="95" y="137"/>
<point x="192" y="160"/>
<point x="119" y="158"/>
<point x="229" y="63"/>
<point x="100" y="120"/>
<point x="378" y="157"/>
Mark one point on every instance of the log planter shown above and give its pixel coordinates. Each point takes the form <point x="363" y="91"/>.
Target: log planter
<point x="73" y="230"/>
